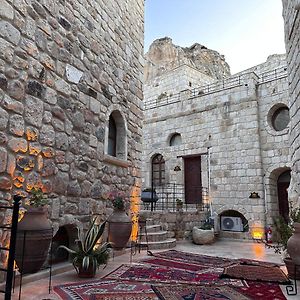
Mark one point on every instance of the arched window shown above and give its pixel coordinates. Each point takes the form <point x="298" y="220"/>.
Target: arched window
<point x="116" y="138"/>
<point x="175" y="139"/>
<point x="112" y="137"/>
<point x="158" y="170"/>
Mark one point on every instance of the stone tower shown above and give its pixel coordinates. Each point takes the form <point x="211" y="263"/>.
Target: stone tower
<point x="291" y="15"/>
<point x="68" y="69"/>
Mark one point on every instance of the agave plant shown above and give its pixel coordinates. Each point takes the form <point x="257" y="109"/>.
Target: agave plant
<point x="90" y="253"/>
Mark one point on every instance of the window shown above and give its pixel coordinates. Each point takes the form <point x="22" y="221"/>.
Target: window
<point x="175" y="139"/>
<point x="116" y="136"/>
<point x="112" y="137"/>
<point x="158" y="170"/>
<point x="280" y="118"/>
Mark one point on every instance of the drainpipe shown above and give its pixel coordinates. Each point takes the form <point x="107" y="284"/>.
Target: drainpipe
<point x="208" y="175"/>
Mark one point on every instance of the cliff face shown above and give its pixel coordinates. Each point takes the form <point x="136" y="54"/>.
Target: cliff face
<point x="163" y="55"/>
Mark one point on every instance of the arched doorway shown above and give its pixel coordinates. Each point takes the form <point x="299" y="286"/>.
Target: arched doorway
<point x="283" y="183"/>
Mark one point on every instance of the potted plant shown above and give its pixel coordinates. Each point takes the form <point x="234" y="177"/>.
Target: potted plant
<point x="34" y="233"/>
<point x="119" y="223"/>
<point x="90" y="252"/>
<point x="287" y="242"/>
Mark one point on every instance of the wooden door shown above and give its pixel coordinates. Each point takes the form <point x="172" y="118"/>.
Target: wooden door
<point x="192" y="180"/>
<point x="283" y="202"/>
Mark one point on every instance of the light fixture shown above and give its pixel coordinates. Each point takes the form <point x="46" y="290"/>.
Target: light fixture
<point x="254" y="195"/>
<point x="177" y="168"/>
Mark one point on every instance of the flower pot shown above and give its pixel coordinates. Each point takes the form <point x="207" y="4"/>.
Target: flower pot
<point x="119" y="229"/>
<point x="90" y="272"/>
<point x="33" y="240"/>
<point x="293" y="244"/>
<point x="290" y="266"/>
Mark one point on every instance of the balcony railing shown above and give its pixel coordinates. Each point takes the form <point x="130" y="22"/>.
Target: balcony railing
<point x="167" y="199"/>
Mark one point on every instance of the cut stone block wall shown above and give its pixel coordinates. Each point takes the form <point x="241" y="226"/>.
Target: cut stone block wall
<point x="65" y="66"/>
<point x="291" y="17"/>
<point x="232" y="123"/>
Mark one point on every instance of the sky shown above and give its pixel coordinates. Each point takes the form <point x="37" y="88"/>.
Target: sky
<point x="245" y="32"/>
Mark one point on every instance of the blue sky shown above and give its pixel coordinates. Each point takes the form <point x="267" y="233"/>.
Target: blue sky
<point x="246" y="32"/>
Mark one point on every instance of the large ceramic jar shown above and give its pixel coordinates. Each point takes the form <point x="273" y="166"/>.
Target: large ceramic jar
<point x="119" y="229"/>
<point x="293" y="245"/>
<point x="33" y="240"/>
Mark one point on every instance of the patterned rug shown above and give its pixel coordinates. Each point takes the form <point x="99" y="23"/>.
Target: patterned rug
<point x="193" y="258"/>
<point x="256" y="273"/>
<point x="262" y="291"/>
<point x="158" y="274"/>
<point x="206" y="260"/>
<point x="175" y="264"/>
<point x="105" y="290"/>
<point x="188" y="292"/>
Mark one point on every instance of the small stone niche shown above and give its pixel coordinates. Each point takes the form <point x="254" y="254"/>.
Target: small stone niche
<point x="65" y="236"/>
<point x="233" y="224"/>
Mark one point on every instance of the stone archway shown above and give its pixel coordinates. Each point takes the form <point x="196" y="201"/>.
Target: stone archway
<point x="272" y="196"/>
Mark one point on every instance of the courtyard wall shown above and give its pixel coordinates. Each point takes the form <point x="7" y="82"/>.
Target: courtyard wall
<point x="65" y="66"/>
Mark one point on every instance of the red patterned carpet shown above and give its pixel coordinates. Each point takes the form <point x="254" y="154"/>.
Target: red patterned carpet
<point x="105" y="290"/>
<point x="175" y="275"/>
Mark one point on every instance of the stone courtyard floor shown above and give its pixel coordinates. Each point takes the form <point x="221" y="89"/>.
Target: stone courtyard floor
<point x="38" y="289"/>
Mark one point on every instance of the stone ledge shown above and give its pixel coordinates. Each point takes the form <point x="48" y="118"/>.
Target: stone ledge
<point x="116" y="161"/>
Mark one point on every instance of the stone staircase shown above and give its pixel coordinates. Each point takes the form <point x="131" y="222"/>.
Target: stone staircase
<point x="157" y="237"/>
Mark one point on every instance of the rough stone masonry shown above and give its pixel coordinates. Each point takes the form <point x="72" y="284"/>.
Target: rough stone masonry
<point x="65" y="68"/>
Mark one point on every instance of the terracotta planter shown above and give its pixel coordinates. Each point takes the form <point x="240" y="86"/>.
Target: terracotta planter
<point x="119" y="229"/>
<point x="290" y="266"/>
<point x="33" y="240"/>
<point x="293" y="245"/>
<point x="90" y="272"/>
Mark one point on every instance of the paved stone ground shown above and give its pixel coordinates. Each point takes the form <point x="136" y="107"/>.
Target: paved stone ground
<point x="38" y="290"/>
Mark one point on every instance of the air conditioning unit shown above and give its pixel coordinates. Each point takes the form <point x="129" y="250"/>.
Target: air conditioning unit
<point x="232" y="224"/>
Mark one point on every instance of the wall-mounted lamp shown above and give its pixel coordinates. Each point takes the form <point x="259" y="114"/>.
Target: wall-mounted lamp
<point x="177" y="168"/>
<point x="254" y="195"/>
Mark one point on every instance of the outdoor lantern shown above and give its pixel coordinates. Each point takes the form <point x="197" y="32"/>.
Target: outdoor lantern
<point x="254" y="195"/>
<point x="257" y="231"/>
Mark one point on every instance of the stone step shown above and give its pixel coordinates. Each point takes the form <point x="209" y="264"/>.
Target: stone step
<point x="152" y="228"/>
<point x="154" y="236"/>
<point x="165" y="244"/>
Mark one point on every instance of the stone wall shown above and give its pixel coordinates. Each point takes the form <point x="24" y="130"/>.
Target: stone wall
<point x="183" y="78"/>
<point x="231" y="121"/>
<point x="292" y="34"/>
<point x="65" y="67"/>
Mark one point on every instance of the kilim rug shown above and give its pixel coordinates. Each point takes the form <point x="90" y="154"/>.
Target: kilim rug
<point x="105" y="290"/>
<point x="206" y="260"/>
<point x="176" y="264"/>
<point x="193" y="258"/>
<point x="158" y="274"/>
<point x="262" y="291"/>
<point x="188" y="292"/>
<point x="256" y="273"/>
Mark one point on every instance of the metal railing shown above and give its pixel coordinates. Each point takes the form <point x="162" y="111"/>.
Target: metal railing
<point x="273" y="75"/>
<point x="167" y="199"/>
<point x="11" y="248"/>
<point x="217" y="86"/>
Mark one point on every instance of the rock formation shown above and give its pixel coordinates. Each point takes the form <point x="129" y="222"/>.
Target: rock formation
<point x="163" y="55"/>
